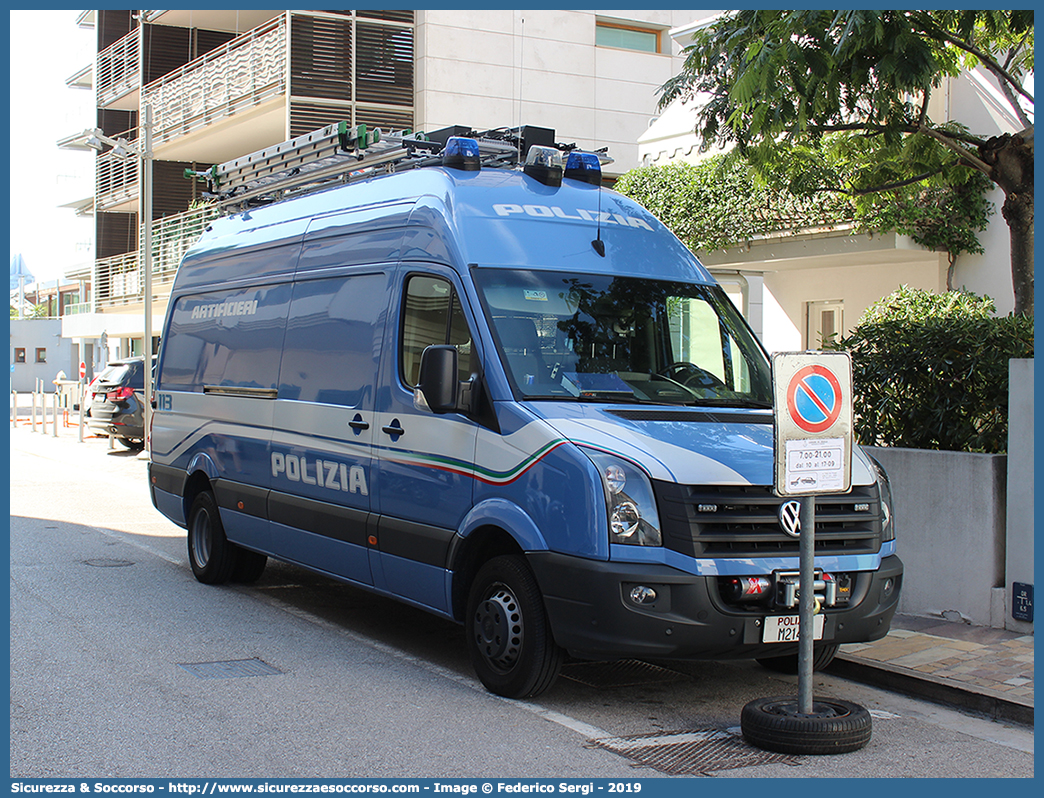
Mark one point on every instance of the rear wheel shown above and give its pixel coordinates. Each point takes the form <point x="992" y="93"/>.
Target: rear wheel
<point x="507" y="631"/>
<point x="131" y="443"/>
<point x="210" y="554"/>
<point x="249" y="566"/>
<point x="821" y="657"/>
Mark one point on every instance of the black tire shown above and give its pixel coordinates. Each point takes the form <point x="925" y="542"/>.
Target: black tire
<point x="249" y="566"/>
<point x="821" y="657"/>
<point x="834" y="727"/>
<point x="131" y="443"/>
<point x="210" y="554"/>
<point x="507" y="631"/>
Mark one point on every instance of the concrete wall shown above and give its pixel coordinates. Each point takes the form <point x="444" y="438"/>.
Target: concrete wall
<point x="793" y="289"/>
<point x="31" y="334"/>
<point x="543" y="68"/>
<point x="950" y="531"/>
<point x="1019" y="560"/>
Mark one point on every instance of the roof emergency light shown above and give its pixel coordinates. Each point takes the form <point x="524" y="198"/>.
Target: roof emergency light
<point x="544" y="164"/>
<point x="584" y="166"/>
<point x="461" y="153"/>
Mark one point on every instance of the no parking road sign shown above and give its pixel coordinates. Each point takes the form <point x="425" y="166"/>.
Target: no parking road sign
<point x="813" y="422"/>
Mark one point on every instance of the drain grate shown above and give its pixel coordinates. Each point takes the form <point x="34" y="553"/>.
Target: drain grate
<point x="691" y="753"/>
<point x="231" y="669"/>
<point x="621" y="673"/>
<point x="103" y="562"/>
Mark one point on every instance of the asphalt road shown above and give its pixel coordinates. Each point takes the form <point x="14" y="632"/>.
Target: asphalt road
<point x="114" y="645"/>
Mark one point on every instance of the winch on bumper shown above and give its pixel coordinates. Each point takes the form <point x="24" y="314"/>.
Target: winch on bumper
<point x="609" y="610"/>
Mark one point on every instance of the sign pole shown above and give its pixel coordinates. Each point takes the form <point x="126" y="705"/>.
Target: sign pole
<point x="813" y="442"/>
<point x="807" y="602"/>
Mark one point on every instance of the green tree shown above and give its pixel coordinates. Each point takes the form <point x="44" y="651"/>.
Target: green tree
<point x="776" y="83"/>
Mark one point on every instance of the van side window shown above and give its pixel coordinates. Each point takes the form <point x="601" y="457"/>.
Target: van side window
<point x="332" y="340"/>
<point x="432" y="315"/>
<point x="225" y="338"/>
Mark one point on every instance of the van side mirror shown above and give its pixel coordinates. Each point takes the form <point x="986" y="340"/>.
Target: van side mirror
<point x="437" y="386"/>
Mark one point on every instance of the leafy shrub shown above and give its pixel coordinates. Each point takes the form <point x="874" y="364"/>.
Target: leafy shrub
<point x="930" y="371"/>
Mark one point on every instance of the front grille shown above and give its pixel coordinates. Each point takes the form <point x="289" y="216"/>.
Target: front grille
<point x="743" y="521"/>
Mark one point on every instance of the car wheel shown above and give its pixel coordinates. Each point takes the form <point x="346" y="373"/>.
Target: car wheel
<point x="249" y="566"/>
<point x="821" y="657"/>
<point x="507" y="631"/>
<point x="210" y="554"/>
<point x="833" y="727"/>
<point x="131" y="443"/>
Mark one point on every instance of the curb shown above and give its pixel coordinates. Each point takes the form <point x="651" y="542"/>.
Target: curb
<point x="981" y="700"/>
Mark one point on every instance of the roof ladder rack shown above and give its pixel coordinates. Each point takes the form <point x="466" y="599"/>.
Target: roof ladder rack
<point x="338" y="153"/>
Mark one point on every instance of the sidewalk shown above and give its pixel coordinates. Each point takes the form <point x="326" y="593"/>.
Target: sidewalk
<point x="986" y="670"/>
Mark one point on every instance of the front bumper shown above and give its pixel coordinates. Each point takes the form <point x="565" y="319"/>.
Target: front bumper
<point x="592" y="617"/>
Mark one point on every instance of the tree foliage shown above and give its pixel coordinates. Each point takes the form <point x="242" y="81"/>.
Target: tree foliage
<point x="723" y="201"/>
<point x="930" y="371"/>
<point x="784" y="85"/>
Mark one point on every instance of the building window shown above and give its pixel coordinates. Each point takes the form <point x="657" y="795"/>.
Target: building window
<point x="19" y="354"/>
<point x="627" y="38"/>
<point x="41" y="354"/>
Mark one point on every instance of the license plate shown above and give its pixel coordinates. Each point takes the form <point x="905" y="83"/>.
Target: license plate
<point x="784" y="628"/>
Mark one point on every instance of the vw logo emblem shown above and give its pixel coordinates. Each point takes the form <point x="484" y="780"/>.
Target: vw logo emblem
<point x="790" y="518"/>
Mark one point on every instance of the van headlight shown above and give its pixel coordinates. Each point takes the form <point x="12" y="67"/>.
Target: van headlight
<point x="630" y="504"/>
<point x="884" y="489"/>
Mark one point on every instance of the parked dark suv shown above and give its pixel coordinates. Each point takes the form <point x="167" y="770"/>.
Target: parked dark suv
<point x="117" y="406"/>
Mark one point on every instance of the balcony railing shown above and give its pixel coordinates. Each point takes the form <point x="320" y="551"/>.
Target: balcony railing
<point x="115" y="179"/>
<point x="118" y="69"/>
<point x="119" y="281"/>
<point x="172" y="236"/>
<point x="241" y="74"/>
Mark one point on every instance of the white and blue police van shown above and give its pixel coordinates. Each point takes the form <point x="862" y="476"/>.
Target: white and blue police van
<point x="509" y="397"/>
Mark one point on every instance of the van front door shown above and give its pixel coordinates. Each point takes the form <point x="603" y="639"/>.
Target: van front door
<point x="424" y="490"/>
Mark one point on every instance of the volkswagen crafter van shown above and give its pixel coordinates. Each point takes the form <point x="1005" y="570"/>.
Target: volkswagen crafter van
<point x="514" y="400"/>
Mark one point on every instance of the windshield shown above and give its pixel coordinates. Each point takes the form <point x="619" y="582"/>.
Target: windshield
<point x="604" y="338"/>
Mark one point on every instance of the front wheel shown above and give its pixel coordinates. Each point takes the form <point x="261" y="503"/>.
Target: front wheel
<point x="507" y="631"/>
<point x="822" y="655"/>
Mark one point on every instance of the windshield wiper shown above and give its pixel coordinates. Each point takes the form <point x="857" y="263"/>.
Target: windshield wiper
<point x="612" y="397"/>
<point x="752" y="404"/>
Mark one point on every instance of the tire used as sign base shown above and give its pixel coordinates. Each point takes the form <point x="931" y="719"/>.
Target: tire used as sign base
<point x="833" y="727"/>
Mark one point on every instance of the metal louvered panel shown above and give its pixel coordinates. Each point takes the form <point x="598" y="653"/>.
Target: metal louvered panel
<point x="384" y="118"/>
<point x="321" y="57"/>
<point x="391" y="16"/>
<point x="171" y="192"/>
<point x="384" y="64"/>
<point x="166" y="48"/>
<point x="306" y="117"/>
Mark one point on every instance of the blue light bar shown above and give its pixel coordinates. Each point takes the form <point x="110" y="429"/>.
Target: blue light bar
<point x="461" y="153"/>
<point x="584" y="166"/>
